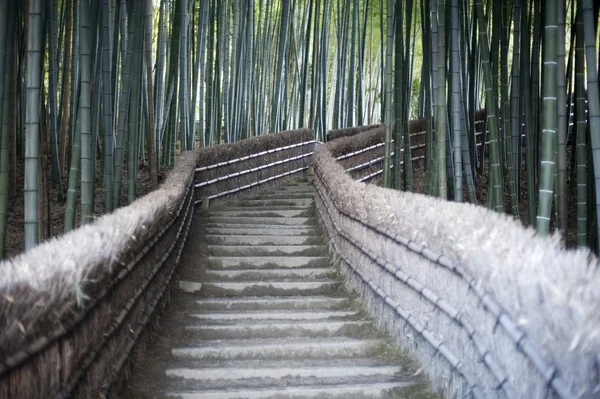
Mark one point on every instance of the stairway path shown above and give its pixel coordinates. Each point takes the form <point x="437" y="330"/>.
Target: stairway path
<point x="261" y="313"/>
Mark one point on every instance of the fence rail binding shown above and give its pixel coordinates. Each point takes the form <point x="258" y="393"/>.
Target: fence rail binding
<point x="252" y="156"/>
<point x="438" y="345"/>
<point x="522" y="343"/>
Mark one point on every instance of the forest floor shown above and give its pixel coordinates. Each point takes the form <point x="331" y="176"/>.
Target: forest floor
<point x="15" y="228"/>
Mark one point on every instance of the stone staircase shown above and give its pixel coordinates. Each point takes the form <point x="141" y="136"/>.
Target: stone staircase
<point x="260" y="313"/>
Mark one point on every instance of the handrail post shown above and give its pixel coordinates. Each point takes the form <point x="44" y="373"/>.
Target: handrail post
<point x="205" y="203"/>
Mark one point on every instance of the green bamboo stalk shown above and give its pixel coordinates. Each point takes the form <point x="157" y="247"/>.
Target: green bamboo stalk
<point x="314" y="89"/>
<point x="75" y="81"/>
<point x="350" y="121"/>
<point x="124" y="111"/>
<point x="32" y="122"/>
<point x="52" y="19"/>
<point x="276" y="99"/>
<point x="580" y="125"/>
<point x="135" y="105"/>
<point x="161" y="49"/>
<point x="441" y="115"/>
<point x="107" y="108"/>
<point x="593" y="97"/>
<point x="322" y="113"/>
<point x="514" y="161"/>
<point x="5" y="133"/>
<point x="398" y="96"/>
<point x="202" y="72"/>
<point x="426" y="83"/>
<point x="301" y="112"/>
<point x="150" y="95"/>
<point x="96" y="118"/>
<point x="65" y="109"/>
<point x="183" y="78"/>
<point x="561" y="133"/>
<point x="407" y="88"/>
<point x="434" y="184"/>
<point x="172" y="75"/>
<point x="535" y="78"/>
<point x="528" y="128"/>
<point x="456" y="106"/>
<point x="361" y="65"/>
<point x="226" y="72"/>
<point x="549" y="122"/>
<point x="495" y="179"/>
<point x="473" y="88"/>
<point x="88" y="144"/>
<point x="387" y="178"/>
<point x="80" y="157"/>
<point x="250" y="37"/>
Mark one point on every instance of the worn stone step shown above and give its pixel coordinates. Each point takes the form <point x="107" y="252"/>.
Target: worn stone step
<point x="266" y="316"/>
<point x="262" y="288"/>
<point x="262" y="240"/>
<point x="280" y="377"/>
<point x="295" y="186"/>
<point x="267" y="250"/>
<point x="270" y="274"/>
<point x="282" y="349"/>
<point x="191" y="363"/>
<point x="389" y="390"/>
<point x="260" y="220"/>
<point x="269" y="231"/>
<point x="256" y="203"/>
<point x="284" y="213"/>
<point x="300" y="227"/>
<point x="229" y="373"/>
<point x="270" y="262"/>
<point x="249" y="208"/>
<point x="310" y="190"/>
<point x="288" y="316"/>
<point x="280" y="329"/>
<point x="287" y="196"/>
<point x="274" y="303"/>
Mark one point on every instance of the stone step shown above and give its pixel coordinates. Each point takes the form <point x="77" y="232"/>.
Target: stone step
<point x="217" y="239"/>
<point x="274" y="303"/>
<point x="270" y="231"/>
<point x="263" y="208"/>
<point x="276" y="288"/>
<point x="292" y="190"/>
<point x="341" y="348"/>
<point x="278" y="329"/>
<point x="367" y="391"/>
<point x="270" y="274"/>
<point x="287" y="196"/>
<point x="191" y="363"/>
<point x="280" y="377"/>
<point x="300" y="227"/>
<point x="267" y="250"/>
<point x="256" y="203"/>
<point x="261" y="220"/>
<point x="298" y="187"/>
<point x="271" y="262"/>
<point x="267" y="318"/>
<point x="285" y="213"/>
<point x="288" y="316"/>
<point x="278" y="373"/>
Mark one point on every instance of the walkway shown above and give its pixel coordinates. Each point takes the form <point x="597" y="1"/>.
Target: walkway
<point x="261" y="313"/>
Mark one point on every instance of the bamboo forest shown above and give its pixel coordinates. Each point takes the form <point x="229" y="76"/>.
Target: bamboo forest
<point x="97" y="99"/>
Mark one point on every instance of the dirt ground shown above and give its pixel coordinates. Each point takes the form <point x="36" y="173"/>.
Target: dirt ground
<point x="15" y="227"/>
